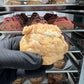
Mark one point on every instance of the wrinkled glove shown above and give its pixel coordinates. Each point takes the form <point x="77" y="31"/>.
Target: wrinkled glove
<point x="11" y="57"/>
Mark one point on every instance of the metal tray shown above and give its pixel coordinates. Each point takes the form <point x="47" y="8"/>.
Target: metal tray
<point x="20" y="32"/>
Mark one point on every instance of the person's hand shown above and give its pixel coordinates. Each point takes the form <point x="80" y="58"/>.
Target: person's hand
<point x="12" y="58"/>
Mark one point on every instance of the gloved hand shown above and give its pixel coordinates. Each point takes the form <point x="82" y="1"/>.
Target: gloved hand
<point x="11" y="57"/>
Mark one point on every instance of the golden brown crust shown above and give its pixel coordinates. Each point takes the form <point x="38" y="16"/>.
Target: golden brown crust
<point x="33" y="3"/>
<point x="13" y="2"/>
<point x="36" y="80"/>
<point x="59" y="64"/>
<point x="45" y="40"/>
<point x="61" y="1"/>
<point x="58" y="2"/>
<point x="19" y="81"/>
<point x="55" y="78"/>
<point x="68" y="44"/>
<point x="63" y="26"/>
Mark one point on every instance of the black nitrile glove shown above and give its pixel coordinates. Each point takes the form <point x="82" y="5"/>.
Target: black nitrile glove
<point x="29" y="64"/>
<point x="11" y="57"/>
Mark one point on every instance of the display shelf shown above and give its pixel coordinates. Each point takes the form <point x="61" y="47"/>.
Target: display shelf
<point x="74" y="51"/>
<point x="20" y="32"/>
<point x="5" y="12"/>
<point x="61" y="71"/>
<point x="76" y="30"/>
<point x="44" y="7"/>
<point x="11" y="32"/>
<point x="78" y="12"/>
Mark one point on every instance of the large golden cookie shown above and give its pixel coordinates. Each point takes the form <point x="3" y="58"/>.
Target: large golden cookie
<point x="45" y="40"/>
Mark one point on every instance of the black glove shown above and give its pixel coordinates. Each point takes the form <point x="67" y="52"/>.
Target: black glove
<point x="12" y="58"/>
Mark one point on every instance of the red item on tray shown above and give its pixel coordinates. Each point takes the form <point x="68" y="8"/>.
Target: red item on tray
<point x="24" y="22"/>
<point x="20" y="20"/>
<point x="35" y="18"/>
<point x="14" y="23"/>
<point x="35" y="21"/>
<point x="48" y="16"/>
<point x="17" y="23"/>
<point x="24" y="16"/>
<point x="64" y="23"/>
<point x="61" y="22"/>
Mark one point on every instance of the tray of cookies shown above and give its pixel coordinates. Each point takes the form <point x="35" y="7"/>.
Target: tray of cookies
<point x="25" y="2"/>
<point x="37" y="2"/>
<point x="55" y="78"/>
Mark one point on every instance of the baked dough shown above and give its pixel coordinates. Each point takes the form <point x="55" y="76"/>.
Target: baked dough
<point x="34" y="2"/>
<point x="60" y="64"/>
<point x="13" y="2"/>
<point x="58" y="2"/>
<point x="36" y="80"/>
<point x="45" y="40"/>
<point x="55" y="78"/>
